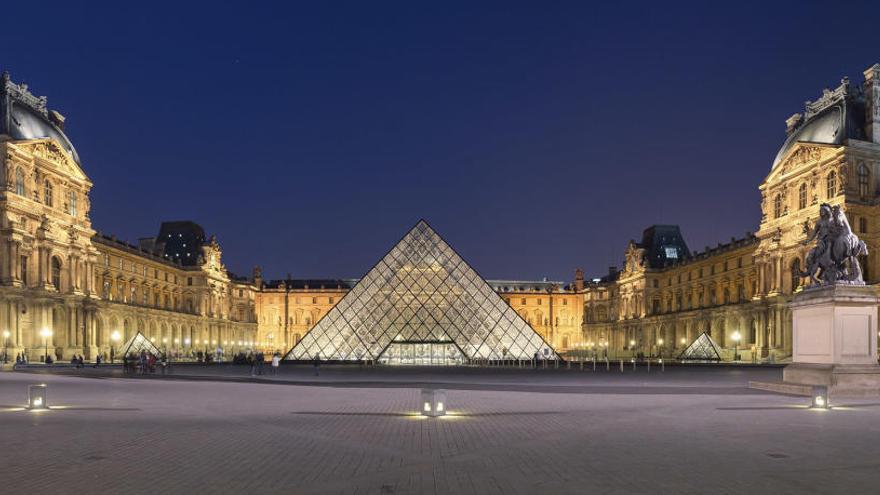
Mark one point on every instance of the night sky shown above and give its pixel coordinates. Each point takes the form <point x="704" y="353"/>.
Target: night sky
<point x="535" y="137"/>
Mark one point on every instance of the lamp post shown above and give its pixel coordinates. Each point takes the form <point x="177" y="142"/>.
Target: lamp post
<point x="660" y="345"/>
<point x="186" y="342"/>
<point x="736" y="337"/>
<point x="46" y="333"/>
<point x="114" y="337"/>
<point x="5" y="346"/>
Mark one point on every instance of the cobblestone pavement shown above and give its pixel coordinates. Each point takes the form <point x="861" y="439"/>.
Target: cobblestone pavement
<point x="116" y="435"/>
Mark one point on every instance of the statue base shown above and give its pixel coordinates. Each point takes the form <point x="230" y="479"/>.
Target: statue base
<point x="835" y="340"/>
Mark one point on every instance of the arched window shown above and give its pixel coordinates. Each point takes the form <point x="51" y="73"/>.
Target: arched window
<point x="19" y="182"/>
<point x="777" y="206"/>
<point x="802" y="196"/>
<point x="47" y="193"/>
<point x="863" y="181"/>
<point x="795" y="274"/>
<point x="71" y="203"/>
<point x="56" y="272"/>
<point x="831" y="185"/>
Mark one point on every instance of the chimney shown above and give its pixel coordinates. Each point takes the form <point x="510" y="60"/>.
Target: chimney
<point x="792" y="123"/>
<point x="57" y="119"/>
<point x="579" y="279"/>
<point x="258" y="277"/>
<point x="872" y="103"/>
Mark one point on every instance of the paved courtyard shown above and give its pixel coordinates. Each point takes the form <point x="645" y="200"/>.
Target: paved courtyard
<point x="348" y="431"/>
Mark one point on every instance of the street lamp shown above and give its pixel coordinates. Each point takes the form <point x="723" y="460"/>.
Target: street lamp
<point x="46" y="333"/>
<point x="736" y="337"/>
<point x="5" y="346"/>
<point x="114" y="337"/>
<point x="683" y="341"/>
<point x="660" y="344"/>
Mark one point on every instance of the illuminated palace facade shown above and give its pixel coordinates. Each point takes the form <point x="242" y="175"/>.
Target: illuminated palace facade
<point x="665" y="296"/>
<point x="66" y="290"/>
<point x="65" y="287"/>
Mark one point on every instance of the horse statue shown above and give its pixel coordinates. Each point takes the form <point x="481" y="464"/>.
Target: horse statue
<point x="834" y="259"/>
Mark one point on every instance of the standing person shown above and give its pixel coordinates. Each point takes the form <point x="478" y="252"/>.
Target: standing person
<point x="261" y="360"/>
<point x="316" y="362"/>
<point x="253" y="363"/>
<point x="276" y="362"/>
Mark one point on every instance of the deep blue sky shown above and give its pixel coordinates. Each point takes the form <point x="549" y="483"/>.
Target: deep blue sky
<point x="536" y="137"/>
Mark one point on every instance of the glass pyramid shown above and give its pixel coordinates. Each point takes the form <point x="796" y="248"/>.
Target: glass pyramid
<point x="421" y="304"/>
<point x="702" y="349"/>
<point x="137" y="344"/>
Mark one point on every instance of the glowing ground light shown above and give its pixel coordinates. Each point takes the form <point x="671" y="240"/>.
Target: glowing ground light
<point x="433" y="402"/>
<point x="37" y="397"/>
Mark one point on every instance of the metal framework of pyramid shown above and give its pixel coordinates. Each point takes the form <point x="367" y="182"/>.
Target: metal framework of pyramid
<point x="421" y="304"/>
<point x="702" y="349"/>
<point x="137" y="344"/>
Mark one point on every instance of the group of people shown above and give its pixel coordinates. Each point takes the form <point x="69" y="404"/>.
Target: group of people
<point x="145" y="363"/>
<point x="258" y="360"/>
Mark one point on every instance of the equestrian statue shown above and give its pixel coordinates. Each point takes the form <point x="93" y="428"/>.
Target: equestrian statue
<point x="834" y="259"/>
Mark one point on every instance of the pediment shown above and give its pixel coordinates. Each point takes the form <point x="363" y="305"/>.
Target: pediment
<point x="798" y="156"/>
<point x="49" y="150"/>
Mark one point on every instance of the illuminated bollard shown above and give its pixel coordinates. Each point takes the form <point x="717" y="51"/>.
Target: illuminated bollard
<point x="37" y="397"/>
<point x="433" y="402"/>
<point x="820" y="397"/>
<point x="662" y="366"/>
<point x="634" y="363"/>
<point x="621" y="365"/>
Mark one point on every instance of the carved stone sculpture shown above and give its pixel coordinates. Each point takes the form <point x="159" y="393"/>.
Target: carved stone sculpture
<point x="834" y="260"/>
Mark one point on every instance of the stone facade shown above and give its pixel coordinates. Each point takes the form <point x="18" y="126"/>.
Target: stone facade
<point x="287" y="309"/>
<point x="831" y="155"/>
<point x="64" y="289"/>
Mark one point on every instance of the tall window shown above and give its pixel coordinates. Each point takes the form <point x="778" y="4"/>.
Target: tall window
<point x="802" y="196"/>
<point x="23" y="262"/>
<point x="56" y="272"/>
<point x="71" y="203"/>
<point x="863" y="181"/>
<point x="831" y="185"/>
<point x="19" y="182"/>
<point x="47" y="193"/>
<point x="777" y="206"/>
<point x="863" y="225"/>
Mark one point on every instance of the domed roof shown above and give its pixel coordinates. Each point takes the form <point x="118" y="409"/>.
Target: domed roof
<point x="24" y="116"/>
<point x="837" y="116"/>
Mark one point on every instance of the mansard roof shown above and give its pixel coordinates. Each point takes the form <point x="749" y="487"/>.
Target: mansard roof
<point x="834" y="118"/>
<point x="24" y="116"/>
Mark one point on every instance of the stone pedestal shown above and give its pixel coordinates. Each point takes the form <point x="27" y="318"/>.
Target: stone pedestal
<point x="835" y="340"/>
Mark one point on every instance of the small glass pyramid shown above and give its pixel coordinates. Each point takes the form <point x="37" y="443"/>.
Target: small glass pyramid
<point x="421" y="304"/>
<point x="702" y="349"/>
<point x="137" y="344"/>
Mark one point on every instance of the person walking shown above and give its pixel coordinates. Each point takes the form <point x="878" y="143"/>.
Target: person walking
<point x="276" y="362"/>
<point x="316" y="362"/>
<point x="261" y="360"/>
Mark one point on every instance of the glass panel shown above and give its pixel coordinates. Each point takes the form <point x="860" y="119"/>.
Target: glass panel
<point x="421" y="304"/>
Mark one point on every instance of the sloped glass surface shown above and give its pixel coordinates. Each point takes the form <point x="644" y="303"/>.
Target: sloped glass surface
<point x="137" y="344"/>
<point x="702" y="349"/>
<point x="421" y="304"/>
